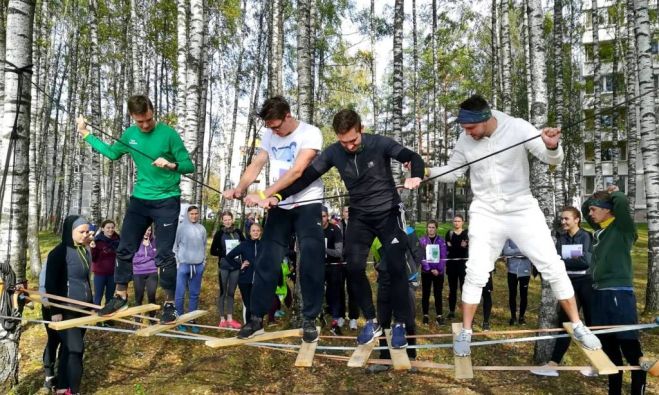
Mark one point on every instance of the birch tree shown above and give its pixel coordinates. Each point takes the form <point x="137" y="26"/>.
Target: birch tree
<point x="631" y="90"/>
<point x="506" y="61"/>
<point x="304" y="69"/>
<point x="397" y="113"/>
<point x="276" y="48"/>
<point x="649" y="150"/>
<point x="95" y="99"/>
<point x="597" y="98"/>
<point x="540" y="178"/>
<point x="15" y="134"/>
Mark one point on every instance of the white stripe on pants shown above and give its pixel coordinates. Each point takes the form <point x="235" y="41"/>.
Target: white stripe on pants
<point x="522" y="221"/>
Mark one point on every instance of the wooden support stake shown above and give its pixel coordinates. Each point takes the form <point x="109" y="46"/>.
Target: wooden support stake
<point x="153" y="329"/>
<point x="94" y="319"/>
<point x="398" y="355"/>
<point x="597" y="358"/>
<point x="305" y="355"/>
<point x="463" y="369"/>
<point x="234" y="341"/>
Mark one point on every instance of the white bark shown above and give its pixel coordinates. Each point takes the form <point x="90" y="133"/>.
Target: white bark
<point x="181" y="60"/>
<point x="397" y="111"/>
<point x="506" y="62"/>
<point x="597" y="97"/>
<point x="13" y="223"/>
<point x="649" y="150"/>
<point x="304" y="86"/>
<point x="276" y="49"/>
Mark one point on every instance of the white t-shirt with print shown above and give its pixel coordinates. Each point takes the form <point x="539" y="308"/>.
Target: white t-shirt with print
<point x="283" y="151"/>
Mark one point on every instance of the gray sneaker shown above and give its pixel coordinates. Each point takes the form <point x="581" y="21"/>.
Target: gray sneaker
<point x="586" y="338"/>
<point x="462" y="343"/>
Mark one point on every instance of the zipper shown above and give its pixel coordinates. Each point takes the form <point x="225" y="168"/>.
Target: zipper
<point x="356" y="168"/>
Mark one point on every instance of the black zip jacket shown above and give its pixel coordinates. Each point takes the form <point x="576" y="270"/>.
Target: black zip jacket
<point x="247" y="250"/>
<point x="366" y="174"/>
<point x="67" y="268"/>
<point x="581" y="237"/>
<point x="218" y="246"/>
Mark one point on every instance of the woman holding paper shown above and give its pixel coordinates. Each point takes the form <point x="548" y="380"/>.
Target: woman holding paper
<point x="433" y="266"/>
<point x="575" y="248"/>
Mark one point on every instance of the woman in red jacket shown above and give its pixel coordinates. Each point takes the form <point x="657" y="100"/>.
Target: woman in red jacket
<point x="104" y="255"/>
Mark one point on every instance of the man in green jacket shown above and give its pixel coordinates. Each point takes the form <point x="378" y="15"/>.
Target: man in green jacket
<point x="613" y="300"/>
<point x="160" y="158"/>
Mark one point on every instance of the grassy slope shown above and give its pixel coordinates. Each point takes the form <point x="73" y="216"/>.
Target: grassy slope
<point x="116" y="363"/>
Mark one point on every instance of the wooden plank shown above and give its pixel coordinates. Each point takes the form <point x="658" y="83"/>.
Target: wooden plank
<point x="398" y="355"/>
<point x="234" y="341"/>
<point x="597" y="358"/>
<point x="650" y="365"/>
<point x="305" y="355"/>
<point x="463" y="369"/>
<point x="361" y="354"/>
<point x="93" y="319"/>
<point x="153" y="329"/>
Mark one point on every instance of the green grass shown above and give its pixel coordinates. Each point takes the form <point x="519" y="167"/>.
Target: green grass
<point x="121" y="364"/>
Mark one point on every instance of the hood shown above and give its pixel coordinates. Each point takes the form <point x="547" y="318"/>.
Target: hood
<point x="67" y="229"/>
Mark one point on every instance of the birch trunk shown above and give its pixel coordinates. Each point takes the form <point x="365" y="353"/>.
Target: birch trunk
<point x="597" y="99"/>
<point x="14" y="213"/>
<point x="181" y="62"/>
<point x="540" y="177"/>
<point x="304" y="86"/>
<point x="397" y="112"/>
<point x="506" y="62"/>
<point x="95" y="98"/>
<point x="276" y="41"/>
<point x="374" y="86"/>
<point x="649" y="150"/>
<point x="631" y="90"/>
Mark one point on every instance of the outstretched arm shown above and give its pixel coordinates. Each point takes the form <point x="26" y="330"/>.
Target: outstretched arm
<point x="249" y="176"/>
<point x="110" y="151"/>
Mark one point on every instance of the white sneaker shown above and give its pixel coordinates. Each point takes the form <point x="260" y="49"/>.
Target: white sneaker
<point x="462" y="343"/>
<point x="340" y="322"/>
<point x="546" y="370"/>
<point x="353" y="324"/>
<point x="589" y="372"/>
<point x="585" y="337"/>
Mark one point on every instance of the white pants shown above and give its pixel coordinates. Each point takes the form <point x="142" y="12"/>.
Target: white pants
<point x="522" y="221"/>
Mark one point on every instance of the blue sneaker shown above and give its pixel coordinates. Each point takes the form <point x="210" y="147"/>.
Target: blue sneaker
<point x="280" y="314"/>
<point x="194" y="329"/>
<point x="398" y="339"/>
<point x="181" y="328"/>
<point x="369" y="333"/>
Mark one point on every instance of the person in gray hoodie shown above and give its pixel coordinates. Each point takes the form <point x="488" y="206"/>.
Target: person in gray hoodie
<point x="190" y="250"/>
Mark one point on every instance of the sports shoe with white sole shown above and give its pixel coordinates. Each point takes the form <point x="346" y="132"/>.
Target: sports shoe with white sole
<point x="462" y="344"/>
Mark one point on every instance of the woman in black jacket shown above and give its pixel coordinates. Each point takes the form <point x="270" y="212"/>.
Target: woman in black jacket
<point x="67" y="275"/>
<point x="247" y="250"/>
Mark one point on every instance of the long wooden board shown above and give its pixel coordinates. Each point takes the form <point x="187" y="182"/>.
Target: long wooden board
<point x="398" y="355"/>
<point x="305" y="355"/>
<point x="153" y="329"/>
<point x="234" y="341"/>
<point x="93" y="319"/>
<point x="597" y="358"/>
<point x="463" y="369"/>
<point x="361" y="354"/>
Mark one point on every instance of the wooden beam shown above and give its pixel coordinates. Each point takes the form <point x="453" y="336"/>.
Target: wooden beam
<point x="399" y="356"/>
<point x="361" y="354"/>
<point x="94" y="319"/>
<point x="234" y="341"/>
<point x="597" y="358"/>
<point x="305" y="355"/>
<point x="153" y="329"/>
<point x="463" y="369"/>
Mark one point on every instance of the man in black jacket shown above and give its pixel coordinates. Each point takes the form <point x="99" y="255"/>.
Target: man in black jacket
<point x="364" y="163"/>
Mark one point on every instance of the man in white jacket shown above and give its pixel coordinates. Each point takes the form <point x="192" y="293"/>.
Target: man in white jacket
<point x="503" y="207"/>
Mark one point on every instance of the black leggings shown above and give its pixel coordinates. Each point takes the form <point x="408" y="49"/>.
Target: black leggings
<point x="148" y="282"/>
<point x="246" y="294"/>
<point x="69" y="372"/>
<point x="487" y="299"/>
<point x="385" y="312"/>
<point x="428" y="281"/>
<point x="523" y="282"/>
<point x="631" y="349"/>
<point x="583" y="293"/>
<point x="455" y="271"/>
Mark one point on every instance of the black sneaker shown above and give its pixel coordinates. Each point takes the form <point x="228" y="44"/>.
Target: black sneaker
<point x="522" y="321"/>
<point x="252" y="328"/>
<point x="169" y="314"/>
<point x="309" y="331"/>
<point x="513" y="321"/>
<point x="425" y="319"/>
<point x="450" y="315"/>
<point x="50" y="383"/>
<point x="486" y="326"/>
<point x="117" y="303"/>
<point x="440" y="320"/>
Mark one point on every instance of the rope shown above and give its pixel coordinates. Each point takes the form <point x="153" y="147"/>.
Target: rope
<point x="569" y="126"/>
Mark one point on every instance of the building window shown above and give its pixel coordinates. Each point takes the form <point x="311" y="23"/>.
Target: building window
<point x="608" y="83"/>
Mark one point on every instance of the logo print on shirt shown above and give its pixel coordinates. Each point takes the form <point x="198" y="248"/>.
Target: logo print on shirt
<point x="285" y="153"/>
<point x="370" y="164"/>
<point x="132" y="142"/>
<point x="394" y="241"/>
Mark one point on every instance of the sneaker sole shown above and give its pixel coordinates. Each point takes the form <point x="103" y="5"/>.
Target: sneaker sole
<point x="544" y="373"/>
<point x="122" y="308"/>
<point x="259" y="332"/>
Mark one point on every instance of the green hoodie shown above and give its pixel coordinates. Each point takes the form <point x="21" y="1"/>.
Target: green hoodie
<point x="153" y="183"/>
<point x="612" y="261"/>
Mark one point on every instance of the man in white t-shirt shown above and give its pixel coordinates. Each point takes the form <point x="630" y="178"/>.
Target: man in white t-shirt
<point x="504" y="208"/>
<point x="289" y="145"/>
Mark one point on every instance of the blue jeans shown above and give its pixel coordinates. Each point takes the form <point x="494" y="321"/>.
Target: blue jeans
<point x="188" y="276"/>
<point x="103" y="283"/>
